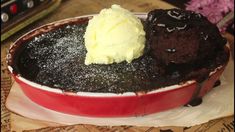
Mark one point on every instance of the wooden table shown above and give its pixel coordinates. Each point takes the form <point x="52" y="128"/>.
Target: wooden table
<point x="73" y="8"/>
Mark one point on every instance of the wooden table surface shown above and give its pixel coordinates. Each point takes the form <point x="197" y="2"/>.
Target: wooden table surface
<point x="67" y="9"/>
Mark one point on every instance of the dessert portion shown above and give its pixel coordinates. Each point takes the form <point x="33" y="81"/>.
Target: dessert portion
<point x="114" y="35"/>
<point x="180" y="39"/>
<point x="178" y="49"/>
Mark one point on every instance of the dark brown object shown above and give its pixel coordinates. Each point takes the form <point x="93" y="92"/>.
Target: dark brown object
<point x="182" y="37"/>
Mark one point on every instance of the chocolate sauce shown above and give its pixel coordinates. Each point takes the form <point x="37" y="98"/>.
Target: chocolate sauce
<point x="194" y="102"/>
<point x="217" y="83"/>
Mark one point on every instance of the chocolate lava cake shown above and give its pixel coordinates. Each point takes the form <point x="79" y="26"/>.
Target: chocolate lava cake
<point x="180" y="40"/>
<point x="181" y="45"/>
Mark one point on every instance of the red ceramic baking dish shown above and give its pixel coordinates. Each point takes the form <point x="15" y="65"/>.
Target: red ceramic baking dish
<point x="106" y="104"/>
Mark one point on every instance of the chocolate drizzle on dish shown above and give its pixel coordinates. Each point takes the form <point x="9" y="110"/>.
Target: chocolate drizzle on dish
<point x="56" y="58"/>
<point x="196" y="100"/>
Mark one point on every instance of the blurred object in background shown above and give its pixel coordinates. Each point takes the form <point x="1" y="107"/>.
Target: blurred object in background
<point x="220" y="12"/>
<point x="209" y="8"/>
<point x="17" y="14"/>
<point x="178" y="3"/>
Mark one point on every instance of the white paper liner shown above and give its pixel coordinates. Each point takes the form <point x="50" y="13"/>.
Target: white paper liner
<point x="216" y="104"/>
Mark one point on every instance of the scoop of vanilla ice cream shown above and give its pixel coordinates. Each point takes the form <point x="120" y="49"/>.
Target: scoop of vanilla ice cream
<point x="114" y="35"/>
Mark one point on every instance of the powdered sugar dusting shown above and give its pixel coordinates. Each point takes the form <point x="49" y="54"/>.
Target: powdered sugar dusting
<point x="60" y="56"/>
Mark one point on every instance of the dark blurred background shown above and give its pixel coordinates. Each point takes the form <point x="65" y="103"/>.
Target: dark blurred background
<point x="178" y="3"/>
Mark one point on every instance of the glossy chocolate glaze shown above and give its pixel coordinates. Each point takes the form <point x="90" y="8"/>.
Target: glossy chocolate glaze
<point x="181" y="37"/>
<point x="217" y="83"/>
<point x="195" y="101"/>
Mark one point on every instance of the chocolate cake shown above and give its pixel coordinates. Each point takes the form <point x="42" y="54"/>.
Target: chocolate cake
<point x="183" y="39"/>
<point x="178" y="36"/>
<point x="179" y="48"/>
